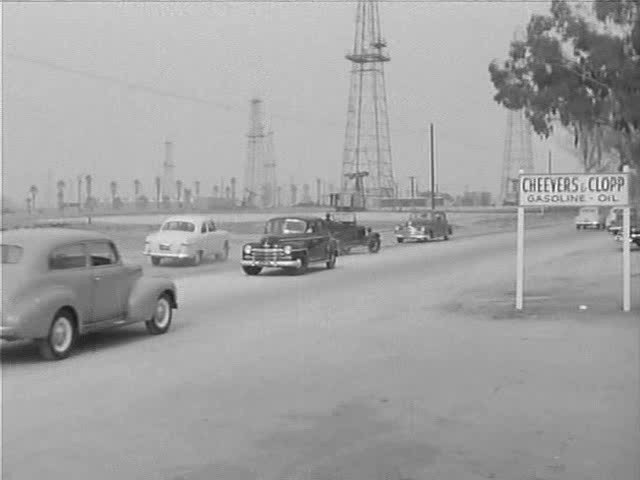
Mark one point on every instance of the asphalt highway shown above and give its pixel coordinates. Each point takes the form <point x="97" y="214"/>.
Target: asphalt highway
<point x="405" y="365"/>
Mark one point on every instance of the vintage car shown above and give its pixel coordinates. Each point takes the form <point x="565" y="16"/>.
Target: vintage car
<point x="345" y="229"/>
<point x="423" y="226"/>
<point x="65" y="283"/>
<point x="616" y="225"/>
<point x="590" y="217"/>
<point x="611" y="217"/>
<point x="187" y="237"/>
<point x="292" y="243"/>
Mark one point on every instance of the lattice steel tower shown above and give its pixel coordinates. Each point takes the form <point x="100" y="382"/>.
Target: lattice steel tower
<point x="518" y="155"/>
<point x="366" y="163"/>
<point x="260" y="184"/>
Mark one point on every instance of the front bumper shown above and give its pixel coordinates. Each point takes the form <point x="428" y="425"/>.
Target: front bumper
<point x="271" y="263"/>
<point x="632" y="238"/>
<point x="587" y="224"/>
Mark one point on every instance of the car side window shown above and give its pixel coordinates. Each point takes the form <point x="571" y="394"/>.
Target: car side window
<point x="212" y="226"/>
<point x="102" y="253"/>
<point x="68" y="257"/>
<point x="203" y="228"/>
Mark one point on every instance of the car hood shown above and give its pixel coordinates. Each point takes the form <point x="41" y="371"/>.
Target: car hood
<point x="272" y="240"/>
<point x="171" y="236"/>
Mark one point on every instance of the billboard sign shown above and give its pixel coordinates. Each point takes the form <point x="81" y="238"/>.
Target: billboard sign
<point x="574" y="189"/>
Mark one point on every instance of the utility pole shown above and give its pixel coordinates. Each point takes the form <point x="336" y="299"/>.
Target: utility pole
<point x="433" y="177"/>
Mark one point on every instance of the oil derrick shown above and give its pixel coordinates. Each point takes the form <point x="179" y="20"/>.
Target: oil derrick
<point x="168" y="173"/>
<point x="260" y="173"/>
<point x="367" y="170"/>
<point x="518" y="155"/>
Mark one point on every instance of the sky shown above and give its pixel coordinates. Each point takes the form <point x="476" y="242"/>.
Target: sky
<point x="203" y="62"/>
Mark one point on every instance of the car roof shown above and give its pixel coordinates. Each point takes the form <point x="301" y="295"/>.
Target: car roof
<point x="194" y="218"/>
<point x="47" y="237"/>
<point x="39" y="241"/>
<point x="296" y="217"/>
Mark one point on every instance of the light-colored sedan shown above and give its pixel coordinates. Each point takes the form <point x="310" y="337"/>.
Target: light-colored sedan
<point x="187" y="237"/>
<point x="61" y="283"/>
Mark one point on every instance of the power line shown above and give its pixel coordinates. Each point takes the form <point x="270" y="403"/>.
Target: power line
<point x="48" y="64"/>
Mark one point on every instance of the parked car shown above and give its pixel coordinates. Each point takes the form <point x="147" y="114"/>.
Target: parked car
<point x="423" y="226"/>
<point x="187" y="237"/>
<point x="611" y="217"/>
<point x="345" y="229"/>
<point x="616" y="225"/>
<point x="590" y="217"/>
<point x="291" y="243"/>
<point x="65" y="283"/>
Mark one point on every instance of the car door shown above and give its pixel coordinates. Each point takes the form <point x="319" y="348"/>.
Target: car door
<point x="68" y="267"/>
<point x="320" y="240"/>
<point x="110" y="281"/>
<point x="215" y="237"/>
<point x="202" y="238"/>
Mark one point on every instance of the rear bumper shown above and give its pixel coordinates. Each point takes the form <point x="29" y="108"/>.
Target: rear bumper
<point x="9" y="333"/>
<point x="271" y="263"/>
<point x="413" y="236"/>
<point x="167" y="255"/>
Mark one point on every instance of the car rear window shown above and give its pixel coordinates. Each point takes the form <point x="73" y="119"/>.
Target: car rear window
<point x="179" y="226"/>
<point x="11" y="253"/>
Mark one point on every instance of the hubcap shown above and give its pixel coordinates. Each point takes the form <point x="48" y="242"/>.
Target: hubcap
<point x="62" y="334"/>
<point x="163" y="310"/>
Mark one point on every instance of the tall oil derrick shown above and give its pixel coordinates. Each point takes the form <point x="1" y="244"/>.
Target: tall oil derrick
<point x="260" y="172"/>
<point x="518" y="155"/>
<point x="367" y="169"/>
<point x="168" y="173"/>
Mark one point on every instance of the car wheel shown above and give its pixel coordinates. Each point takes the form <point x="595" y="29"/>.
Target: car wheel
<point x="374" y="245"/>
<point x="331" y="261"/>
<point x="155" y="261"/>
<point x="197" y="259"/>
<point x="252" y="270"/>
<point x="61" y="338"/>
<point x="431" y="237"/>
<point x="161" y="320"/>
<point x="400" y="240"/>
<point x="304" y="266"/>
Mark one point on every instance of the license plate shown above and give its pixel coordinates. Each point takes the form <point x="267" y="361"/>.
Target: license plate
<point x="165" y="247"/>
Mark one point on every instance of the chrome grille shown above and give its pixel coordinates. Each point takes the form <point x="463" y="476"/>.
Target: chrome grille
<point x="267" y="254"/>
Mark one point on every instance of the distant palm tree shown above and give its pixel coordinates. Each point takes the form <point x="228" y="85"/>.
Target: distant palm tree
<point x="88" y="179"/>
<point x="136" y="187"/>
<point x="33" y="191"/>
<point x="197" y="185"/>
<point x="114" y="192"/>
<point x="61" y="186"/>
<point x="158" y="183"/>
<point x="28" y="201"/>
<point x="187" y="197"/>
<point x="179" y="190"/>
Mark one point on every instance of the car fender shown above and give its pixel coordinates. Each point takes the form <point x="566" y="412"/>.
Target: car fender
<point x="36" y="312"/>
<point x="144" y="293"/>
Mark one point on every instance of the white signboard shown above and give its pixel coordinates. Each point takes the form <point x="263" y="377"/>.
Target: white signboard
<point x="574" y="189"/>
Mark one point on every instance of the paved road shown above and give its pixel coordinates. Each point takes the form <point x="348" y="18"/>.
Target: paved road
<point x="403" y="365"/>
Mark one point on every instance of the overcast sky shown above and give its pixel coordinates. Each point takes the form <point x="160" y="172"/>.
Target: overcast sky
<point x="222" y="54"/>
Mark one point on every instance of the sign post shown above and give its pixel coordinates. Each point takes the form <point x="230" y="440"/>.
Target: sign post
<point x="575" y="190"/>
<point x="626" y="254"/>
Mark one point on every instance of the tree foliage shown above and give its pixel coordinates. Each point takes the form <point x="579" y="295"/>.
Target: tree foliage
<point x="579" y="68"/>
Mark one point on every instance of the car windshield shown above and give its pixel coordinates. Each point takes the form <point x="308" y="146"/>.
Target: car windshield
<point x="11" y="253"/>
<point x="179" y="226"/>
<point x="283" y="226"/>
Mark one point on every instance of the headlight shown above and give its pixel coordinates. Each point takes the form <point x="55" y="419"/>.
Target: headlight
<point x="396" y="228"/>
<point x="247" y="249"/>
<point x="287" y="249"/>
